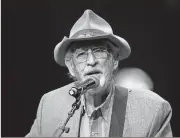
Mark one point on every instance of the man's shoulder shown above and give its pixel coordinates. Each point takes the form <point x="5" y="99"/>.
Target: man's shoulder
<point x="146" y="98"/>
<point x="59" y="94"/>
<point x="61" y="89"/>
<point x="145" y="94"/>
<point x="140" y="93"/>
<point x="142" y="96"/>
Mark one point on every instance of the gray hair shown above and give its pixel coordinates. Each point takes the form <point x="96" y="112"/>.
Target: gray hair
<point x="69" y="63"/>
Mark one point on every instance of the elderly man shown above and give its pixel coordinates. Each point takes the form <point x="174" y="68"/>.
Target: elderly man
<point x="92" y="50"/>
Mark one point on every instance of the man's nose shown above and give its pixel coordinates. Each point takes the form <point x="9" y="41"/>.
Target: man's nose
<point x="91" y="59"/>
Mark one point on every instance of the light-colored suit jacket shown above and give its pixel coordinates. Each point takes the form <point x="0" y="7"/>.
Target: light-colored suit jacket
<point x="135" y="113"/>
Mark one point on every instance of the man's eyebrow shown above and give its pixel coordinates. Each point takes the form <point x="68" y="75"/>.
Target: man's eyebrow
<point x="75" y="46"/>
<point x="79" y="50"/>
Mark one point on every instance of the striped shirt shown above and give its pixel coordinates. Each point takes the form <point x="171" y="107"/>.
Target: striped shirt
<point x="98" y="123"/>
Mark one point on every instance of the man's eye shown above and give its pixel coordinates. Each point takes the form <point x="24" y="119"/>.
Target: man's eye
<point x="81" y="54"/>
<point x="100" y="53"/>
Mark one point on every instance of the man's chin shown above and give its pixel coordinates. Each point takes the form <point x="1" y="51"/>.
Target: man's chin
<point x="96" y="90"/>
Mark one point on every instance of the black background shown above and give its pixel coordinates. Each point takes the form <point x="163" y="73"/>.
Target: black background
<point x="31" y="29"/>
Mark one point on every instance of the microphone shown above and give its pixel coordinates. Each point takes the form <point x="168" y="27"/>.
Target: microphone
<point x="81" y="87"/>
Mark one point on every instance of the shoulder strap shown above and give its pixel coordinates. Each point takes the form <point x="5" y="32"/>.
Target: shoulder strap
<point x="118" y="112"/>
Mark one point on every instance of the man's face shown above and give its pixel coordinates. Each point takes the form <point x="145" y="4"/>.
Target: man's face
<point x="93" y="59"/>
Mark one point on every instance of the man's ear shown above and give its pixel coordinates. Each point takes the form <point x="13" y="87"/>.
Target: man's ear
<point x="116" y="63"/>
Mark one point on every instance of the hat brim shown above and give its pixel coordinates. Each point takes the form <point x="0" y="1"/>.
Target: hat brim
<point x="61" y="48"/>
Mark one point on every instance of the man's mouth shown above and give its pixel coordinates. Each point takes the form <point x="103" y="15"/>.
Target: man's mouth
<point x="93" y="72"/>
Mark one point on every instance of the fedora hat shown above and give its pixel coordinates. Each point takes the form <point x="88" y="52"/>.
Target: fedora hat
<point x="90" y="26"/>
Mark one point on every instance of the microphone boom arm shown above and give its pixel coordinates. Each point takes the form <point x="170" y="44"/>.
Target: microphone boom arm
<point x="76" y="91"/>
<point x="60" y="130"/>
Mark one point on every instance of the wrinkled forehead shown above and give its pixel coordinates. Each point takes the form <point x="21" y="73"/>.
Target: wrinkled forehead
<point x="84" y="45"/>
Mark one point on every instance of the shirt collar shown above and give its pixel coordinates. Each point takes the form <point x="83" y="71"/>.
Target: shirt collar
<point x="105" y="107"/>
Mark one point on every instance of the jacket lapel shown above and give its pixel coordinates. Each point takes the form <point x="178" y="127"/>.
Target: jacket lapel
<point x="118" y="112"/>
<point x="74" y="124"/>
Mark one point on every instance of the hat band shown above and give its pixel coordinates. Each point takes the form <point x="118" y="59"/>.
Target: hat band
<point x="88" y="33"/>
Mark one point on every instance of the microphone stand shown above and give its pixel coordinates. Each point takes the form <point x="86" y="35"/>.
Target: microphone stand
<point x="75" y="106"/>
